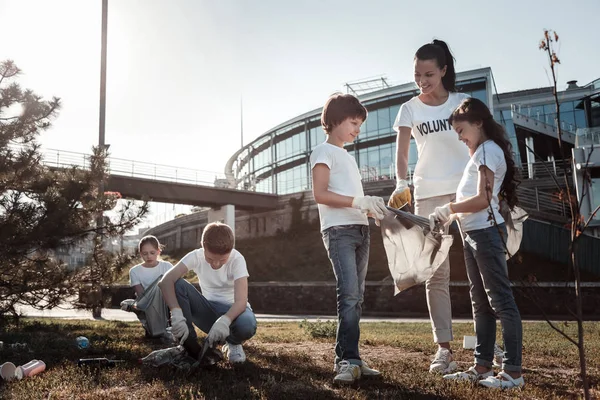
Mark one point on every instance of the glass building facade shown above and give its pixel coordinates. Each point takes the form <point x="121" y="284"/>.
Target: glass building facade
<point x="278" y="161"/>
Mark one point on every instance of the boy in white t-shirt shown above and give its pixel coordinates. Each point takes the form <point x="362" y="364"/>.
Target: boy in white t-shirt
<point x="143" y="275"/>
<point x="222" y="309"/>
<point x="343" y="210"/>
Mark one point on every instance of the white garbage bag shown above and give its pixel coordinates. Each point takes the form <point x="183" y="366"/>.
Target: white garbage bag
<point x="514" y="226"/>
<point x="413" y="251"/>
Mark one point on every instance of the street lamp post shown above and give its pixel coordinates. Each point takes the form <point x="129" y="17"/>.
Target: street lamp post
<point x="95" y="275"/>
<point x="101" y="140"/>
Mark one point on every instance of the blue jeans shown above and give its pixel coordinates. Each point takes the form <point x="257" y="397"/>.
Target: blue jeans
<point x="203" y="313"/>
<point x="348" y="249"/>
<point x="491" y="296"/>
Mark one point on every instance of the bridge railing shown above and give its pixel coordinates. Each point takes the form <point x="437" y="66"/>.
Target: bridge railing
<point x="136" y="169"/>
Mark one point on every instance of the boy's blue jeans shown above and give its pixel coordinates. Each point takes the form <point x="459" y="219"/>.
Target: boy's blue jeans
<point x="203" y="313"/>
<point x="348" y="250"/>
<point x="491" y="296"/>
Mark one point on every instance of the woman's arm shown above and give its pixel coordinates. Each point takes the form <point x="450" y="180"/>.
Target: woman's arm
<point x="402" y="147"/>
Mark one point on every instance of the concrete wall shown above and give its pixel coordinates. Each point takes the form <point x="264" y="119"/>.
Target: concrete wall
<point x="318" y="298"/>
<point x="186" y="231"/>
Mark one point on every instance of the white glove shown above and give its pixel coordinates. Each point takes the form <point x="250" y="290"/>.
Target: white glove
<point x="179" y="327"/>
<point x="441" y="215"/>
<point x="370" y="205"/>
<point x="219" y="331"/>
<point x="127" y="304"/>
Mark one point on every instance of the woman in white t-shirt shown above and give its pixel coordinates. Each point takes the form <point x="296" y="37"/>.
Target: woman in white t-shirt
<point x="442" y="160"/>
<point x="490" y="173"/>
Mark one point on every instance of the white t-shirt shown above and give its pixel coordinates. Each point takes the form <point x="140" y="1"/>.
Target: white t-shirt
<point x="217" y="284"/>
<point x="344" y="179"/>
<point x="140" y="275"/>
<point x="491" y="155"/>
<point x="442" y="157"/>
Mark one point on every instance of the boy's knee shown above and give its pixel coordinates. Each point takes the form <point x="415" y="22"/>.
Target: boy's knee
<point x="245" y="326"/>
<point x="180" y="285"/>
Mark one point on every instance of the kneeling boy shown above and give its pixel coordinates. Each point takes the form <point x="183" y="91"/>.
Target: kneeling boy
<point x="222" y="309"/>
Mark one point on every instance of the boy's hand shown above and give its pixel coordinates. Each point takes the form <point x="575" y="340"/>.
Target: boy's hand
<point x="401" y="195"/>
<point x="370" y="205"/>
<point x="179" y="327"/>
<point x="219" y="331"/>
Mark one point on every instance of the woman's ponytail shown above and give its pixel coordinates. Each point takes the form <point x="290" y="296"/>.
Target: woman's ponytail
<point x="439" y="51"/>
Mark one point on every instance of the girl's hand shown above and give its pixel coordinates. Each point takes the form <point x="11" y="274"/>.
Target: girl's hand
<point x="441" y="215"/>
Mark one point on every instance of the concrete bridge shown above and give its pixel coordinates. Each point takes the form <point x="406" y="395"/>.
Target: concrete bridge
<point x="170" y="184"/>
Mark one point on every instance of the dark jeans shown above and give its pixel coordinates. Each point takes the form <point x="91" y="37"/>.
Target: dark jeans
<point x="348" y="250"/>
<point x="491" y="296"/>
<point x="203" y="313"/>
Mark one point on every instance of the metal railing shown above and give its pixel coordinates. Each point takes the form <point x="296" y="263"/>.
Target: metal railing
<point x="588" y="136"/>
<point x="545" y="169"/>
<point x="546" y="119"/>
<point x="534" y="199"/>
<point x="136" y="169"/>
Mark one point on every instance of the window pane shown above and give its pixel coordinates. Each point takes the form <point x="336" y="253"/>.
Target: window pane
<point x="372" y="124"/>
<point x="568" y="119"/>
<point x="394" y="110"/>
<point x="580" y="119"/>
<point x="480" y="95"/>
<point x="383" y="118"/>
<point x="566" y="106"/>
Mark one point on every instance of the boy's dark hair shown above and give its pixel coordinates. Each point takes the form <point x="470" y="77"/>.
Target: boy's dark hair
<point x="475" y="111"/>
<point x="152" y="240"/>
<point x="218" y="238"/>
<point x="340" y="107"/>
<point x="439" y="51"/>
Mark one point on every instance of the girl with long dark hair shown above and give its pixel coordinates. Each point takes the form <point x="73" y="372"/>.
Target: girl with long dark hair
<point x="490" y="173"/>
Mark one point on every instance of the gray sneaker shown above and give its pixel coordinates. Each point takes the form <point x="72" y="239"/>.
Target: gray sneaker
<point x="443" y="362"/>
<point x="365" y="370"/>
<point x="347" y="373"/>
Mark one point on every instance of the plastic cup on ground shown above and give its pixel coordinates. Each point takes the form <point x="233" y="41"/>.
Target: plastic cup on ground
<point x="7" y="371"/>
<point x="33" y="367"/>
<point x="469" y="342"/>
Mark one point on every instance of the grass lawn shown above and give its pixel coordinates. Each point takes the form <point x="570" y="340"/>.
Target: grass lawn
<point x="284" y="362"/>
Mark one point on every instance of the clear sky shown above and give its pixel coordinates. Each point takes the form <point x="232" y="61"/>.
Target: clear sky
<point x="178" y="68"/>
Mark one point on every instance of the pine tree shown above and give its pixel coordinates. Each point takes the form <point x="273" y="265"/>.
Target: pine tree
<point x="43" y="209"/>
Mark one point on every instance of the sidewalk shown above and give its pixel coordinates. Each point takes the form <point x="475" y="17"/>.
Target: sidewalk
<point x="112" y="314"/>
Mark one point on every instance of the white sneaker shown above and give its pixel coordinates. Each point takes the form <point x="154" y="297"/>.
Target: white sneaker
<point x="347" y="373"/>
<point x="443" y="362"/>
<point x="503" y="381"/>
<point x="498" y="355"/>
<point x="234" y="352"/>
<point x="470" y="375"/>
<point x="365" y="370"/>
